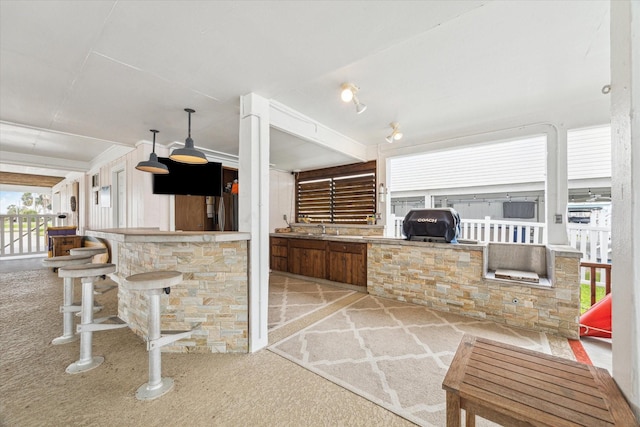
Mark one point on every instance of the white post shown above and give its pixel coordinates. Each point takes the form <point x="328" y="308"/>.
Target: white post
<point x="556" y="188"/>
<point x="625" y="191"/>
<point x="253" y="210"/>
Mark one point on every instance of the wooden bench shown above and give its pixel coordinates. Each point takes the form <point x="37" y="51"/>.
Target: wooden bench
<point x="517" y="387"/>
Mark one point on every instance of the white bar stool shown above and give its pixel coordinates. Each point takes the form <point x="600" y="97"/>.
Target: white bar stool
<point x="93" y="251"/>
<point x="154" y="283"/>
<point x="67" y="308"/>
<point x="89" y="273"/>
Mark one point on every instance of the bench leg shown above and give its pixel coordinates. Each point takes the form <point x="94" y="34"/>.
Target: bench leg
<point x="87" y="361"/>
<point x="67" y="315"/>
<point x="453" y="410"/>
<point x="157" y="386"/>
<point x="470" y="418"/>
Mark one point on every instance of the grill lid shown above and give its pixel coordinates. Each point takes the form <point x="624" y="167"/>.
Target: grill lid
<point x="438" y="224"/>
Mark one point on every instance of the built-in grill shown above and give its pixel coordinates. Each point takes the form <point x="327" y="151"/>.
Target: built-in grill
<point x="432" y="225"/>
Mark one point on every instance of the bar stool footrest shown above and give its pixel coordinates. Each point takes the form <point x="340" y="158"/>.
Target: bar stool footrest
<point x="103" y="324"/>
<point x="64" y="339"/>
<point x="103" y="289"/>
<point x="168" y="337"/>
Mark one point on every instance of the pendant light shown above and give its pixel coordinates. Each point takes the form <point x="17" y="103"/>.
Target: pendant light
<point x="188" y="154"/>
<point x="153" y="165"/>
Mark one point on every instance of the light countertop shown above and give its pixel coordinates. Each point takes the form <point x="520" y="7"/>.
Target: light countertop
<point x="154" y="235"/>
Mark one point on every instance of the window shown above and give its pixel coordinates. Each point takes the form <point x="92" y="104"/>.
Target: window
<point x="339" y="195"/>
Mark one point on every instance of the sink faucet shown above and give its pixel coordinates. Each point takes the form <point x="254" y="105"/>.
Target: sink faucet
<point x="324" y="228"/>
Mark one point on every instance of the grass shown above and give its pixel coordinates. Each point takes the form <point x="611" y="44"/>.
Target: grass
<point x="585" y="296"/>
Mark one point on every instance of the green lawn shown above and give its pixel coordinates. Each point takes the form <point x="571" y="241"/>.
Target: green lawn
<point x="585" y="296"/>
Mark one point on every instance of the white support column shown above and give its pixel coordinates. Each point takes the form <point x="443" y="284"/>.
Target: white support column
<point x="556" y="187"/>
<point x="625" y="191"/>
<point x="253" y="209"/>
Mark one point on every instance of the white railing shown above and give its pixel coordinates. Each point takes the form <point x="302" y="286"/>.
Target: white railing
<point x="24" y="234"/>
<point x="491" y="230"/>
<point x="593" y="241"/>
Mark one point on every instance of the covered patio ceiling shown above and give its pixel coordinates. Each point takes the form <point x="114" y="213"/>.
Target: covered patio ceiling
<point x="83" y="82"/>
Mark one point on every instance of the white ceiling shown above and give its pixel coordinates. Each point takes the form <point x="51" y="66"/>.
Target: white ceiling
<point x="81" y="81"/>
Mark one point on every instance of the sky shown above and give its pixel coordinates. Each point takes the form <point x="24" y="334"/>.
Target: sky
<point x="8" y="198"/>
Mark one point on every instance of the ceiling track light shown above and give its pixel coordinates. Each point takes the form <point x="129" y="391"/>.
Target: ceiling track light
<point x="188" y="154"/>
<point x="153" y="165"/>
<point x="348" y="93"/>
<point x="395" y="135"/>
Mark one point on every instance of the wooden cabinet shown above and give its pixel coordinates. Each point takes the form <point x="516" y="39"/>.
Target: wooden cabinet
<point x="344" y="262"/>
<point x="347" y="263"/>
<point x="279" y="254"/>
<point x="191" y="213"/>
<point x="307" y="258"/>
<point x="62" y="244"/>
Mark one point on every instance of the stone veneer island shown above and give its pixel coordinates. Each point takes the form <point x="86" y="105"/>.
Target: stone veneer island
<point x="213" y="297"/>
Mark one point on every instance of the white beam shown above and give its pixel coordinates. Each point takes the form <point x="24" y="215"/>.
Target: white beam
<point x="292" y="122"/>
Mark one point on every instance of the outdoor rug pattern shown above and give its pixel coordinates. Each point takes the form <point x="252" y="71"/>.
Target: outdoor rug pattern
<point x="292" y="298"/>
<point x="394" y="354"/>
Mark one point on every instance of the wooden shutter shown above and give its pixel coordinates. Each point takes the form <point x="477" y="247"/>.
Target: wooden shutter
<point x="343" y="194"/>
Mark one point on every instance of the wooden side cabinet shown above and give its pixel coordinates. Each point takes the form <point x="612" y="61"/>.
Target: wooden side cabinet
<point x="307" y="258"/>
<point x="347" y="263"/>
<point x="61" y="245"/>
<point x="279" y="254"/>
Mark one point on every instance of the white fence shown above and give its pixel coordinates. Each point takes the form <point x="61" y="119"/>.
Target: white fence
<point x="593" y="241"/>
<point x="24" y="234"/>
<point x="491" y="230"/>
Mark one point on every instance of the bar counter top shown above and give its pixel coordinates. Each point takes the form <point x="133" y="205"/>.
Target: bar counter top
<point x="154" y="235"/>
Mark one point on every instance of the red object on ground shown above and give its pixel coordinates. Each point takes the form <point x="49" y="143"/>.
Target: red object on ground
<point x="596" y="322"/>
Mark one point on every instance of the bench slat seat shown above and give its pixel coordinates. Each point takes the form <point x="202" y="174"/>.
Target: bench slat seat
<point x="515" y="386"/>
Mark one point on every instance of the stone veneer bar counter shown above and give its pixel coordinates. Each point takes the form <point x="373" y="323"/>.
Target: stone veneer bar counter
<point x="213" y="298"/>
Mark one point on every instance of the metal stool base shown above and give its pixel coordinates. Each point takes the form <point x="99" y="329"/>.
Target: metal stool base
<point x="145" y="393"/>
<point x="64" y="339"/>
<point x="77" y="368"/>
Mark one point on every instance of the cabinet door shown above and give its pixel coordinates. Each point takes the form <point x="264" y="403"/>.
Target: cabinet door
<point x="307" y="258"/>
<point x="279" y="254"/>
<point x="191" y="213"/>
<point x="348" y="263"/>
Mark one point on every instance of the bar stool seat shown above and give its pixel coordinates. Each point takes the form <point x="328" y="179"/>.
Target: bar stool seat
<point x="154" y="283"/>
<point x="68" y="307"/>
<point x="91" y="250"/>
<point x="89" y="273"/>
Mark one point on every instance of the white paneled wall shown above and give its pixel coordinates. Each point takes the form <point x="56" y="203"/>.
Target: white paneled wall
<point x="519" y="161"/>
<point x="281" y="200"/>
<point x="143" y="208"/>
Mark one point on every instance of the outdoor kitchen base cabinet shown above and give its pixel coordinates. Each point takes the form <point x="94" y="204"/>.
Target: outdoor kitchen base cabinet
<point x="343" y="262"/>
<point x="348" y="263"/>
<point x="307" y="258"/>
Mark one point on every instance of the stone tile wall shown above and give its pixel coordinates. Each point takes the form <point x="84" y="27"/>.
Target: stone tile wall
<point x="449" y="279"/>
<point x="214" y="293"/>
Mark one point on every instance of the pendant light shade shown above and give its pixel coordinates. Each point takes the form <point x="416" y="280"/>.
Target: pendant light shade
<point x="188" y="154"/>
<point x="153" y="165"/>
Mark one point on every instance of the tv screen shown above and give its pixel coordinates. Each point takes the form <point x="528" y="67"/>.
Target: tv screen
<point x="187" y="179"/>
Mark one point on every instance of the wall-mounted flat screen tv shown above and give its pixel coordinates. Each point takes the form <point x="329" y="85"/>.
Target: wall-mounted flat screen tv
<point x="187" y="179"/>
